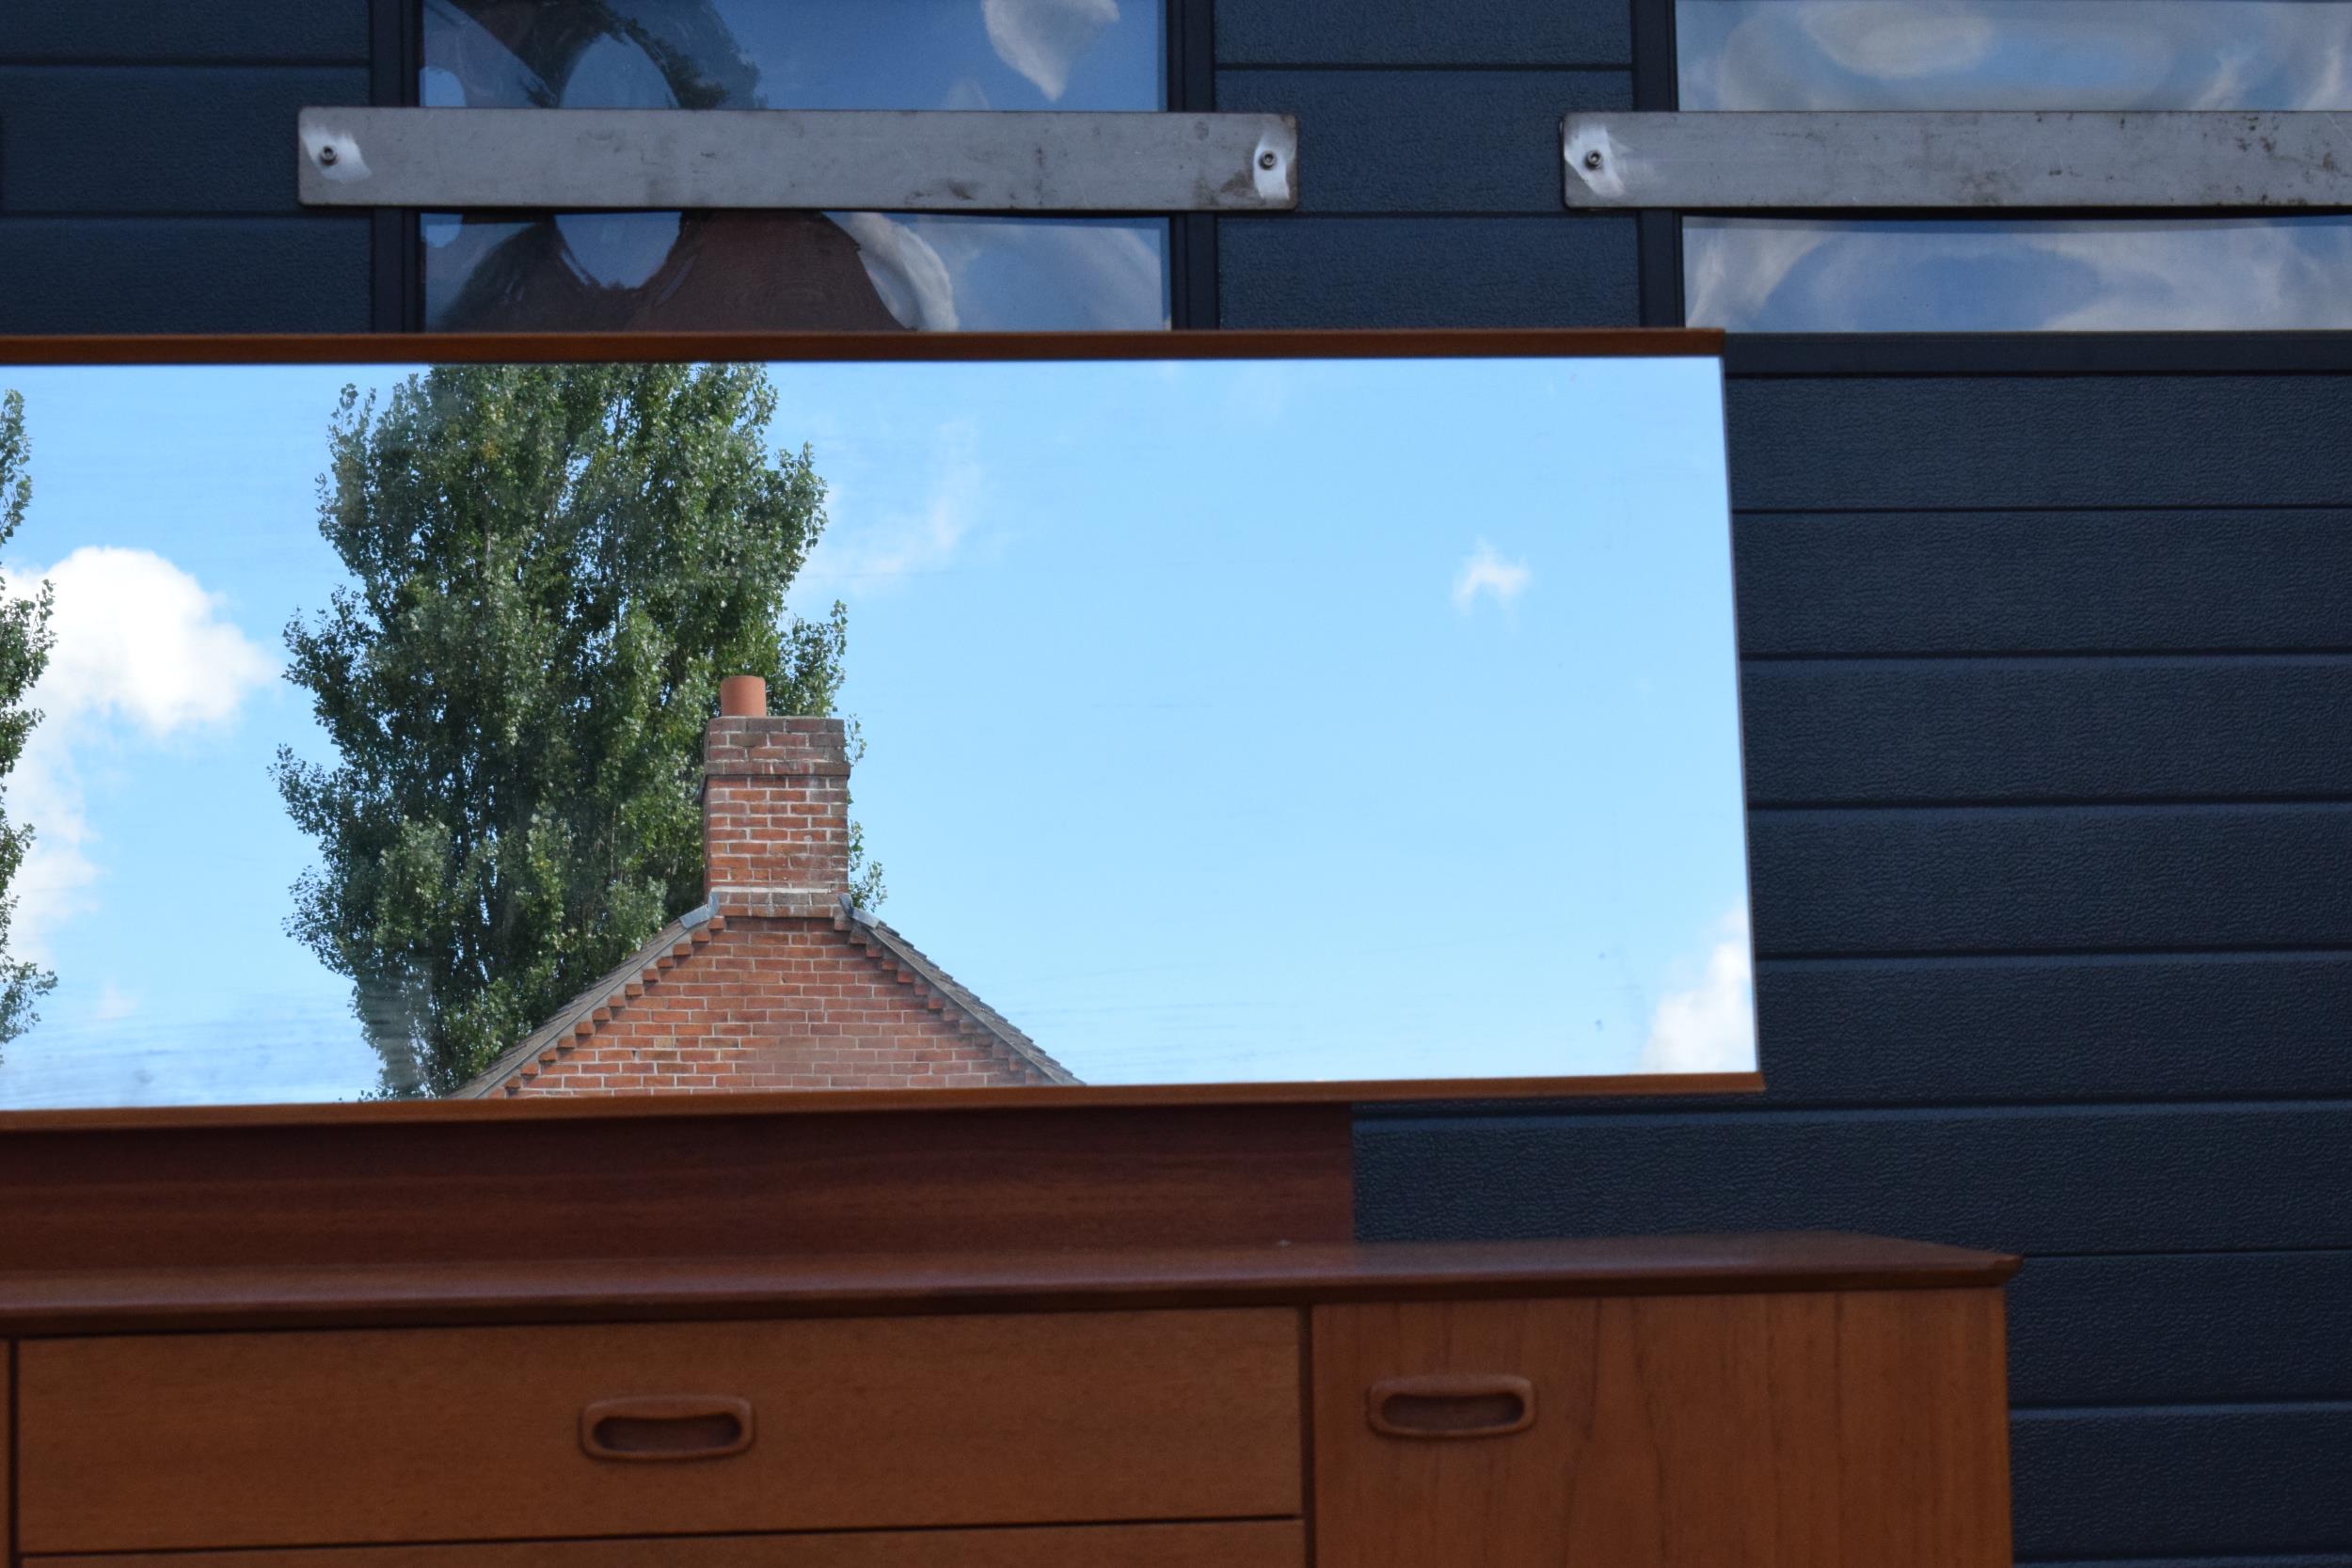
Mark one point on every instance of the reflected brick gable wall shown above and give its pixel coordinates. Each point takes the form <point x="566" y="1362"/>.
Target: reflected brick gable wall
<point x="777" y="983"/>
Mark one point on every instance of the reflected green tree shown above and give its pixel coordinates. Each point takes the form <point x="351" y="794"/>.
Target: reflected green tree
<point x="552" y="567"/>
<point x="24" y="642"/>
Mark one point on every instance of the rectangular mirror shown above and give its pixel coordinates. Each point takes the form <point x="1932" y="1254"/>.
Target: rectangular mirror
<point x="1117" y="712"/>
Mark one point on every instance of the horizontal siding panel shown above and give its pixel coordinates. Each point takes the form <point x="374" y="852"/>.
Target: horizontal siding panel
<point x="184" y="275"/>
<point x="1426" y="272"/>
<point x="2182" y="1482"/>
<point x="1409" y="32"/>
<point x="2104" y="1181"/>
<point x="113" y="139"/>
<point x="2038" y="878"/>
<point x="1957" y="731"/>
<point x="135" y="30"/>
<point x="2223" y="1026"/>
<point x="1458" y="141"/>
<point x="1999" y="582"/>
<point x="2011" y="442"/>
<point x="2220" y="1327"/>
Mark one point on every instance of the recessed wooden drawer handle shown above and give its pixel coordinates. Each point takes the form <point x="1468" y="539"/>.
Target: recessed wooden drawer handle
<point x="1452" y="1405"/>
<point x="666" y="1426"/>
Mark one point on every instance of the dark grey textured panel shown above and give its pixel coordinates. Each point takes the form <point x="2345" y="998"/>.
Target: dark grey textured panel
<point x="117" y="140"/>
<point x="1969" y="730"/>
<point x="2090" y="1181"/>
<point x="2023" y="583"/>
<point x="184" y="30"/>
<point x="1996" y="442"/>
<point x="2183" y="1483"/>
<point x="2045" y="1029"/>
<point x="1407" y="32"/>
<point x="1401" y="141"/>
<point x="1426" y="272"/>
<point x="2214" y="1326"/>
<point x="184" y="275"/>
<point x="2035" y="879"/>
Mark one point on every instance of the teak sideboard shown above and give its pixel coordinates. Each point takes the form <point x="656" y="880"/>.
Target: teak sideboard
<point x="525" y="1395"/>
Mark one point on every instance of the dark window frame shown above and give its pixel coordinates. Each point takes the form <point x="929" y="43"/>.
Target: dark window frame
<point x="1656" y="75"/>
<point x="396" y="51"/>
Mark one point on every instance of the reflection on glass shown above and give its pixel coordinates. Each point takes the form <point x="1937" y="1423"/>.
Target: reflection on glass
<point x="1214" y="723"/>
<point x="717" y="270"/>
<point x="1809" y="274"/>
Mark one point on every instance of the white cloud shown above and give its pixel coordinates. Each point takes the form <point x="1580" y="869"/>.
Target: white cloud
<point x="1486" y="573"/>
<point x="1709" y="1027"/>
<point x="905" y="269"/>
<point x="114" y="1002"/>
<point x="1044" y="38"/>
<point x="140" y="644"/>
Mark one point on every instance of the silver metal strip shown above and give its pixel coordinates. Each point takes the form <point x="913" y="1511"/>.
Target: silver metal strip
<point x="930" y="161"/>
<point x="1959" y="160"/>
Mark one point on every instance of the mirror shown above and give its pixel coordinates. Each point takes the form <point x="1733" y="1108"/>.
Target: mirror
<point x="1119" y="719"/>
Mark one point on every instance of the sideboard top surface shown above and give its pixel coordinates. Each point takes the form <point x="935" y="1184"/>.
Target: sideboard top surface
<point x="117" y="1300"/>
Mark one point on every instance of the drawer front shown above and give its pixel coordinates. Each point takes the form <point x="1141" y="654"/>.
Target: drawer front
<point x="1857" y="1430"/>
<point x="1264" y="1545"/>
<point x="462" y="1434"/>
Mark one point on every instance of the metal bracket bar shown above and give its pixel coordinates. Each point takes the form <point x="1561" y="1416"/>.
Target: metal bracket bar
<point x="1741" y="161"/>
<point x="926" y="161"/>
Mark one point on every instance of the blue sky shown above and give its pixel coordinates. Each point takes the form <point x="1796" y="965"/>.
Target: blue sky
<point x="1226" y="721"/>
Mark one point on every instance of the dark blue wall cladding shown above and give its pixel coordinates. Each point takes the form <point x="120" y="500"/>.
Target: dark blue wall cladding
<point x="1891" y="582"/>
<point x="184" y="30"/>
<point x="128" y="139"/>
<point x="184" y="275"/>
<point x="1415" y="32"/>
<point x="2209" y="1327"/>
<point x="1999" y="443"/>
<point x="2250" y="727"/>
<point x="1428" y="271"/>
<point x="1407" y="141"/>
<point x="2183" y="1481"/>
<point x="2053" y="1179"/>
<point x="2010" y="1030"/>
<point x="2055" y="877"/>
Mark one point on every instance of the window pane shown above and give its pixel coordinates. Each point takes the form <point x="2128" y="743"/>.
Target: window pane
<point x="1827" y="274"/>
<point x="610" y="271"/>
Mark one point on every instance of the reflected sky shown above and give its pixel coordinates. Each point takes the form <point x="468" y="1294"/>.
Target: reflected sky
<point x="1225" y="722"/>
<point x="932" y="271"/>
<point x="1791" y="275"/>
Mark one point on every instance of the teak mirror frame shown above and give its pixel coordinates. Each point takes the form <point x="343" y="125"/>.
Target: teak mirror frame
<point x="694" y="1175"/>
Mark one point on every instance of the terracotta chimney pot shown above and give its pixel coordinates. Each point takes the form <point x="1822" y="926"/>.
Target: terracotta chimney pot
<point x="743" y="697"/>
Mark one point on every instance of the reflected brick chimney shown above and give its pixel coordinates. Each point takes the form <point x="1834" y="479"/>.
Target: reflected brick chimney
<point x="775" y="808"/>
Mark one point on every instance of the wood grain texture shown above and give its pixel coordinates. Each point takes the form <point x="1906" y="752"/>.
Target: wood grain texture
<point x="1833" y="1430"/>
<point x="289" y="1439"/>
<point x="641" y="1290"/>
<point x="1267" y="1543"/>
<point x="7" y="1461"/>
<point x="1479" y="340"/>
<point x="640" y="1180"/>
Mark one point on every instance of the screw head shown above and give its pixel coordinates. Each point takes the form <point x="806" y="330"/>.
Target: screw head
<point x="327" y="154"/>
<point x="1592" y="159"/>
<point x="1267" y="160"/>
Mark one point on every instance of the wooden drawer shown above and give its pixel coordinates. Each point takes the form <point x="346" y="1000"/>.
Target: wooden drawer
<point x="1829" y="1430"/>
<point x="1262" y="1545"/>
<point x="469" y="1434"/>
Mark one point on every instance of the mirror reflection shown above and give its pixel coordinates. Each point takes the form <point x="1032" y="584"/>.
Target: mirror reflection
<point x="534" y="730"/>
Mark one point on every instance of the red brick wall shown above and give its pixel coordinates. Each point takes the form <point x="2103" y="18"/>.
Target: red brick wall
<point x="778" y="1003"/>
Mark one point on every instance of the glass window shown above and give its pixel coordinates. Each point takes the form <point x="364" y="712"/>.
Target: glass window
<point x="1804" y="273"/>
<point x="719" y="270"/>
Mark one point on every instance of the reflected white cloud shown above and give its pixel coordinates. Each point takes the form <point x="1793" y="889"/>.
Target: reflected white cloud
<point x="138" y="641"/>
<point x="1710" y="1026"/>
<point x="905" y="270"/>
<point x="1872" y="39"/>
<point x="1044" y="38"/>
<point x="1486" y="574"/>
